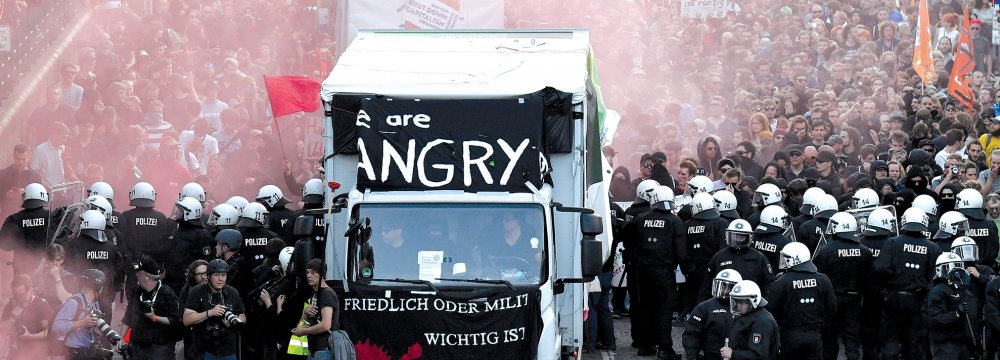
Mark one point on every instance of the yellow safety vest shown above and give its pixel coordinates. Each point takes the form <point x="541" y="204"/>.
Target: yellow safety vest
<point x="299" y="345"/>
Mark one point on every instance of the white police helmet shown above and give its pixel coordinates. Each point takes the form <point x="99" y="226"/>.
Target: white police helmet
<point x="965" y="248"/>
<point x="864" y="198"/>
<point x="946" y="262"/>
<point x="34" y="196"/>
<point x="192" y="190"/>
<point x="952" y="223"/>
<point x="645" y="187"/>
<point x="271" y="196"/>
<point x="224" y="216"/>
<point x="725" y="201"/>
<point x="142" y="195"/>
<point x="745" y="297"/>
<point x="724" y="282"/>
<point x="92" y="224"/>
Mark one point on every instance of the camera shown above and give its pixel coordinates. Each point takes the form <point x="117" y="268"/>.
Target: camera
<point x="104" y="328"/>
<point x="230" y="318"/>
<point x="954" y="169"/>
<point x="21" y="330"/>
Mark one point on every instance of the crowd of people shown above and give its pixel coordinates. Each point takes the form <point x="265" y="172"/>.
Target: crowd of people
<point x="796" y="148"/>
<point x="225" y="284"/>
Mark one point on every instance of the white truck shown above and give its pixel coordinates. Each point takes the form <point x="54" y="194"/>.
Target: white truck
<point x="472" y="211"/>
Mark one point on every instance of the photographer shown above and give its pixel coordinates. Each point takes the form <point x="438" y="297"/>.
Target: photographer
<point x="28" y="316"/>
<point x="213" y="310"/>
<point x="321" y="315"/>
<point x="78" y="317"/>
<point x="153" y="315"/>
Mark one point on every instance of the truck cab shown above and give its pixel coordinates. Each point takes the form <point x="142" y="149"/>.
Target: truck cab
<point x="472" y="210"/>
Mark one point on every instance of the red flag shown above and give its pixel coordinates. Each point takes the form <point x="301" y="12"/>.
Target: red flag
<point x="958" y="82"/>
<point x="291" y="94"/>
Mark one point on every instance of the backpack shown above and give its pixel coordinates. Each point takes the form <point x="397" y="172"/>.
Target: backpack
<point x="341" y="346"/>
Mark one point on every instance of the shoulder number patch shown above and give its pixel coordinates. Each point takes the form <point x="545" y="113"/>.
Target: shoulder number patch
<point x="756" y="338"/>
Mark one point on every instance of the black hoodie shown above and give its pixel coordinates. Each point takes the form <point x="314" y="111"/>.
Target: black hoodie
<point x="621" y="190"/>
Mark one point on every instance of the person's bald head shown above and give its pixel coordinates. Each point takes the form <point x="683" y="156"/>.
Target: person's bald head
<point x="809" y="154"/>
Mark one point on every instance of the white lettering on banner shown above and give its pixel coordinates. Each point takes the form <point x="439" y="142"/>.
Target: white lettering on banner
<point x="425" y="304"/>
<point x="33" y="222"/>
<point x="977" y="232"/>
<point x="145" y="221"/>
<point x="371" y="304"/>
<point x="419" y="120"/>
<point x="701" y="9"/>
<point x="98" y="255"/>
<point x="255" y="242"/>
<point x="476" y="339"/>
<point x="848" y="252"/>
<point x="406" y="166"/>
<point x="654" y="223"/>
<point x="803" y="284"/>
<point x="916" y="249"/>
<point x="696" y="230"/>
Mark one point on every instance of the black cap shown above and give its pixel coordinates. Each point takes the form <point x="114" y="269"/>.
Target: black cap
<point x="810" y="174"/>
<point x="925" y="142"/>
<point x="659" y="156"/>
<point x="923" y="114"/>
<point x="794" y="148"/>
<point x="148" y="265"/>
<point x="896" y="116"/>
<point x="825" y="156"/>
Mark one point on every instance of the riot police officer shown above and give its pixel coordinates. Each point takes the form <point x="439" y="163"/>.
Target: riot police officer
<point x="706" y="329"/>
<point x="99" y="203"/>
<point x="312" y="199"/>
<point x="189" y="242"/>
<point x="979" y="275"/>
<point x="930" y="207"/>
<point x="630" y="236"/>
<point x="196" y="191"/>
<point x="906" y="265"/>
<point x="26" y="232"/>
<point x="104" y="189"/>
<point x="881" y="225"/>
<point x="704" y="232"/>
<point x="661" y="246"/>
<point x="765" y="196"/>
<point x="864" y="198"/>
<point x="725" y="201"/>
<point x="740" y="256"/>
<point x="951" y="225"/>
<point x="754" y="333"/>
<point x="224" y="216"/>
<point x="951" y="310"/>
<point x="969" y="202"/>
<point x="145" y="228"/>
<point x="697" y="185"/>
<point x="809" y="199"/>
<point x="238" y="202"/>
<point x="801" y="301"/>
<point x="255" y="236"/>
<point x="848" y="264"/>
<point x="769" y="235"/>
<point x="811" y="232"/>
<point x="92" y="250"/>
<point x="277" y="214"/>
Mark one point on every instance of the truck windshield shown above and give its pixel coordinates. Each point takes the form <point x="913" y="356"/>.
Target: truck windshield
<point x="452" y="241"/>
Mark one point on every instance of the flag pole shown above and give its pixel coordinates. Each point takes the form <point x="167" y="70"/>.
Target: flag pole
<point x="277" y="128"/>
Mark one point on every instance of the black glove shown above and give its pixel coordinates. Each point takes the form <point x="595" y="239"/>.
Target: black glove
<point x="963" y="308"/>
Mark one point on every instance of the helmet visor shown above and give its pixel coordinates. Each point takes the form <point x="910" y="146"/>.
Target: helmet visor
<point x="178" y="213"/>
<point x="721" y="288"/>
<point x="213" y="219"/>
<point x="968" y="252"/>
<point x="737" y="240"/>
<point x="740" y="305"/>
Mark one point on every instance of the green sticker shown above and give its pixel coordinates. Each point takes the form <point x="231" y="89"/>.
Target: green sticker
<point x="366" y="272"/>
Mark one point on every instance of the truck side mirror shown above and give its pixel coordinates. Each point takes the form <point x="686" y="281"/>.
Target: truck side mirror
<point x="303" y="226"/>
<point x="591" y="249"/>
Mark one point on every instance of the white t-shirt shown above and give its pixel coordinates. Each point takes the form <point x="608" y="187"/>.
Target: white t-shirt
<point x="210" y="110"/>
<point x="209" y="147"/>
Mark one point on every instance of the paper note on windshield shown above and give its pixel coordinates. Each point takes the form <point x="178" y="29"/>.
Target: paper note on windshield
<point x="430" y="265"/>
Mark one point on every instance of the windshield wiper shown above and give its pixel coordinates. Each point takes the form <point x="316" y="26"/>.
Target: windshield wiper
<point x="482" y="281"/>
<point x="408" y="281"/>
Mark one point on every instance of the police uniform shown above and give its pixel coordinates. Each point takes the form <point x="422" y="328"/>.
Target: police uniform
<point x="797" y="224"/>
<point x="26" y="233"/>
<point x="906" y="264"/>
<point x="704" y="238"/>
<point x="871" y="308"/>
<point x="811" y="232"/>
<point x="849" y="265"/>
<point x="629" y="237"/>
<point x="254" y="243"/>
<point x="706" y="329"/>
<point x="661" y="246"/>
<point x="754" y="335"/>
<point x="84" y="253"/>
<point x="949" y="329"/>
<point x="750" y="263"/>
<point x="754" y="219"/>
<point x="188" y="242"/>
<point x="278" y="219"/>
<point x="992" y="315"/>
<point x="770" y="244"/>
<point x="318" y="236"/>
<point x="984" y="233"/>
<point x="801" y="301"/>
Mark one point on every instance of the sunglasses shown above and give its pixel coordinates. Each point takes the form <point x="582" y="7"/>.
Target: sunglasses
<point x="795" y="154"/>
<point x="741" y="152"/>
<point x="725" y="169"/>
<point x="733" y="184"/>
<point x="770" y="108"/>
<point x="947" y="196"/>
<point x="647" y="165"/>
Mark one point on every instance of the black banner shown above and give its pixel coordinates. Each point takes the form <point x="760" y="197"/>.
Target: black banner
<point x="472" y="145"/>
<point x="399" y="324"/>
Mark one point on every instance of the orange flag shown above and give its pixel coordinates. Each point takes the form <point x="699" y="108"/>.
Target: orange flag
<point x="922" y="62"/>
<point x="958" y="83"/>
